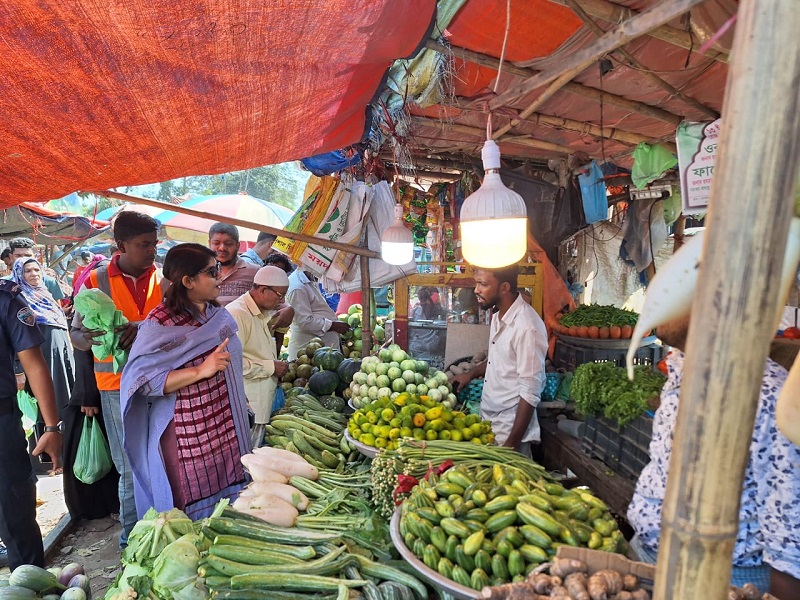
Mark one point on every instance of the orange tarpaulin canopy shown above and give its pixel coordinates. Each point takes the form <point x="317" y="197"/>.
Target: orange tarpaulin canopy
<point x="95" y="95"/>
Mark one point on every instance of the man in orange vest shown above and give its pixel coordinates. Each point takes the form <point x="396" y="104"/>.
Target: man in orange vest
<point x="132" y="281"/>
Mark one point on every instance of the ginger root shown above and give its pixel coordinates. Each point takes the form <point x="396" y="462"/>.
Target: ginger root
<point x="576" y="586"/>
<point x="564" y="566"/>
<point x="630" y="582"/>
<point x="542" y="583"/>
<point x="604" y="584"/>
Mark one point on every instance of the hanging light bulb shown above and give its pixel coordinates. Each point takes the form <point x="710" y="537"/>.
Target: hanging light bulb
<point x="397" y="242"/>
<point x="494" y="224"/>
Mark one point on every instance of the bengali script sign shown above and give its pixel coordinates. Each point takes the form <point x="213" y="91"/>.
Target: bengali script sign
<point x="697" y="156"/>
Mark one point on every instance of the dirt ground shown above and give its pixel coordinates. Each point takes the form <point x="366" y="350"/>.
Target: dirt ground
<point x="94" y="544"/>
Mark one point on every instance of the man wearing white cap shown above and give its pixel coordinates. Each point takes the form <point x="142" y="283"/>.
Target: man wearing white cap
<point x="253" y="312"/>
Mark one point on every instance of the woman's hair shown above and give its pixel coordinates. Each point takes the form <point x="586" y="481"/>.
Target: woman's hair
<point x="184" y="260"/>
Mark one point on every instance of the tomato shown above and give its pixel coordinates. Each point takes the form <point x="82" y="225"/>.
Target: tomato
<point x="615" y="331"/>
<point x="792" y="333"/>
<point x="594" y="332"/>
<point x="627" y="332"/>
<point x="583" y="331"/>
<point x="573" y="331"/>
<point x="604" y="333"/>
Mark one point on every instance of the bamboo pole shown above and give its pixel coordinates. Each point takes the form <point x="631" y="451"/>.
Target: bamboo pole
<point x="309" y="239"/>
<point x="632" y="61"/>
<point x="655" y="16"/>
<point x="613" y="13"/>
<point x="577" y="89"/>
<point x="733" y="310"/>
<point x="366" y="305"/>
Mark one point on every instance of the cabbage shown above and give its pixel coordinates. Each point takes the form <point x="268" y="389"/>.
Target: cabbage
<point x="152" y="534"/>
<point x="175" y="570"/>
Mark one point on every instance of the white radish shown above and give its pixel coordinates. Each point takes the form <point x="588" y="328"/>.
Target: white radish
<point x="286" y="467"/>
<point x="787" y="410"/>
<point x="280" y="490"/>
<point x="269" y="508"/>
<point x="269" y="451"/>
<point x="260" y="471"/>
<point x="669" y="295"/>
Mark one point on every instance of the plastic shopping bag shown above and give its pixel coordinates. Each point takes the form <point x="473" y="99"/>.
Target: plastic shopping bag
<point x="29" y="409"/>
<point x="93" y="459"/>
<point x="280" y="400"/>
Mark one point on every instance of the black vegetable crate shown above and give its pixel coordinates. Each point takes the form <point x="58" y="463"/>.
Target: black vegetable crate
<point x="625" y="449"/>
<point x="570" y="356"/>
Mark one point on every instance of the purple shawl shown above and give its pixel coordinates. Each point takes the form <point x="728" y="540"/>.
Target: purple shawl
<point x="146" y="411"/>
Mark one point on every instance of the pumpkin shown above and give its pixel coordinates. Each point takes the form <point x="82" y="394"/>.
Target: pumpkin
<point x="323" y="383"/>
<point x="333" y="403"/>
<point x="347" y="368"/>
<point x="327" y="359"/>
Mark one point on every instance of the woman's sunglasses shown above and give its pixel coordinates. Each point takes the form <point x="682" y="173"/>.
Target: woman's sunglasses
<point x="212" y="271"/>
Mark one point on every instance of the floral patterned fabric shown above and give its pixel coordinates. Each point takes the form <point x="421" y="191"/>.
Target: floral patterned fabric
<point x="769" y="515"/>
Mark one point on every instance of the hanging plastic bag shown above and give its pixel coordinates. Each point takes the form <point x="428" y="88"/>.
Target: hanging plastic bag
<point x="650" y="163"/>
<point x="93" y="459"/>
<point x="563" y="388"/>
<point x="279" y="401"/>
<point x="30" y="411"/>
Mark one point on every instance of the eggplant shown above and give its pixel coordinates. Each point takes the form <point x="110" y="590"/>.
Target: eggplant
<point x="83" y="582"/>
<point x="69" y="571"/>
<point x="74" y="593"/>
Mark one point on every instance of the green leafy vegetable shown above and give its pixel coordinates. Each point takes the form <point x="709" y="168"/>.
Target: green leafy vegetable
<point x="175" y="570"/>
<point x="604" y="389"/>
<point x="599" y="315"/>
<point x="152" y="534"/>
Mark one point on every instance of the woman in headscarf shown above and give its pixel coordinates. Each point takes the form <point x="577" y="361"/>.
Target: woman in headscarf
<point x="52" y="322"/>
<point x="183" y="403"/>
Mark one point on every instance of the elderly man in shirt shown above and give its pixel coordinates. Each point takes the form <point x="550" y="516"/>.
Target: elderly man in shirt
<point x="312" y="315"/>
<point x="254" y="312"/>
<point x="767" y="549"/>
<point x="514" y="368"/>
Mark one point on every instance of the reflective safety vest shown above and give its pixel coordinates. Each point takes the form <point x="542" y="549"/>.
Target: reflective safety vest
<point x="118" y="291"/>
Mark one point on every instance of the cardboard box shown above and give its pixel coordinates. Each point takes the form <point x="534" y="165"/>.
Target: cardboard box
<point x="598" y="561"/>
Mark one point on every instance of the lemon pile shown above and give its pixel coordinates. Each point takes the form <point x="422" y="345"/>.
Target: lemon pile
<point x="382" y="422"/>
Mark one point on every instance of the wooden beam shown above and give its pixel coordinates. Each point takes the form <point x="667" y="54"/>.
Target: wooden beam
<point x="300" y="237"/>
<point x="522" y="140"/>
<point x="583" y="127"/>
<point x="735" y="303"/>
<point x="614" y="13"/>
<point x="577" y="89"/>
<point x="574" y="64"/>
<point x="643" y="70"/>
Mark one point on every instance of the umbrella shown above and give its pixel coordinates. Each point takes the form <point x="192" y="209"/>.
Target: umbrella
<point x="188" y="228"/>
<point x="107" y="213"/>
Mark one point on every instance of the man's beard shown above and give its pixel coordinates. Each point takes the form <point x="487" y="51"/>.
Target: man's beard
<point x="230" y="262"/>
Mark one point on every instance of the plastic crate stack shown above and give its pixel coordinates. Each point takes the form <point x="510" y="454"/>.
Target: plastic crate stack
<point x="470" y="396"/>
<point x="626" y="449"/>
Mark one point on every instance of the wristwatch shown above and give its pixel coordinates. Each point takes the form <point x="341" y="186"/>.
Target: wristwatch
<point x="58" y="428"/>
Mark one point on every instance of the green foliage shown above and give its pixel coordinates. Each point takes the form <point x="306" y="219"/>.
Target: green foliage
<point x="276" y="183"/>
<point x="604" y="389"/>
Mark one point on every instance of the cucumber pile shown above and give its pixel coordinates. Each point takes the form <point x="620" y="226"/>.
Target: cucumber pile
<point x="484" y="526"/>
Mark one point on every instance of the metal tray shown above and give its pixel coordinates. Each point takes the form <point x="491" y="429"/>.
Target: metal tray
<point x="439" y="582"/>
<point x="367" y="451"/>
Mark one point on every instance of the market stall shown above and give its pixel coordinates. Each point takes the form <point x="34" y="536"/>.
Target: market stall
<point x="552" y="113"/>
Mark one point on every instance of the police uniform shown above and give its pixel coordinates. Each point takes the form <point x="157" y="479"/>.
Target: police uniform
<point x="18" y="528"/>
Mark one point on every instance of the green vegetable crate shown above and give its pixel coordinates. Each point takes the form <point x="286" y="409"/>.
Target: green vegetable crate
<point x="625" y="449"/>
<point x="569" y="356"/>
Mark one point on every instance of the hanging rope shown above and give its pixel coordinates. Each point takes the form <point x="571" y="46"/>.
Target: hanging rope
<point x="500" y="67"/>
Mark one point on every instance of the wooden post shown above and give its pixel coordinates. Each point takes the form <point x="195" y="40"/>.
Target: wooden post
<point x="366" y="305"/>
<point x="735" y="303"/>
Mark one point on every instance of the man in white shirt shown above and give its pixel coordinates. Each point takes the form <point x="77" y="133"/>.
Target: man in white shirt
<point x="312" y="315"/>
<point x="253" y="313"/>
<point x="514" y="368"/>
